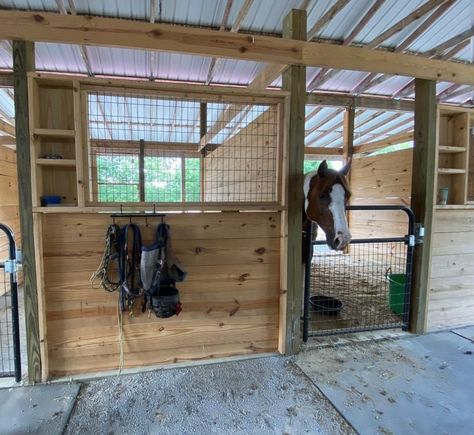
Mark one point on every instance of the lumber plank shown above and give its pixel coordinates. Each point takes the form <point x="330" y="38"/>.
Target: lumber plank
<point x="50" y="27"/>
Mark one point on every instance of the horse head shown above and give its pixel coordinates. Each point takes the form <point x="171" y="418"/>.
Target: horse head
<point x="326" y="195"/>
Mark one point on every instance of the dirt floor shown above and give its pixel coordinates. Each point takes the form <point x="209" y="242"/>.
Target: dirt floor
<point x="258" y="396"/>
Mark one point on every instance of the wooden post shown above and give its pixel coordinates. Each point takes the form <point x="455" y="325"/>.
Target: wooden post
<point x="423" y="195"/>
<point x="294" y="81"/>
<point x="24" y="62"/>
<point x="348" y="149"/>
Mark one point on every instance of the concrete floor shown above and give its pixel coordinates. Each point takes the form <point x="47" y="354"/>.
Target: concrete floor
<point x="412" y="385"/>
<point x="404" y="385"/>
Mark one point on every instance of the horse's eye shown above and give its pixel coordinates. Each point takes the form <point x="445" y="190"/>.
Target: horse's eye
<point x="324" y="197"/>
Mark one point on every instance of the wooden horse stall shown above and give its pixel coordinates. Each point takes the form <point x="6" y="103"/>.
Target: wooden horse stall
<point x="224" y="209"/>
<point x="450" y="301"/>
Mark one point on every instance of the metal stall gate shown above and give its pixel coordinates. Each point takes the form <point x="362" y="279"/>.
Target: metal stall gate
<point x="365" y="288"/>
<point x="10" y="362"/>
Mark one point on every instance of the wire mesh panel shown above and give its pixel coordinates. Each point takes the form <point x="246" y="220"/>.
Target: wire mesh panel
<point x="162" y="149"/>
<point x="365" y="288"/>
<point x="9" y="321"/>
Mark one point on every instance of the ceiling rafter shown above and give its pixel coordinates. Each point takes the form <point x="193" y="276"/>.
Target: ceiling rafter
<point x="324" y="121"/>
<point x="459" y="41"/>
<point x="334" y="128"/>
<point x="152" y="54"/>
<point x="327" y="73"/>
<point x="373" y="79"/>
<point x="234" y="29"/>
<point x="391" y="31"/>
<point x="326" y="18"/>
<point x="390" y="128"/>
<point x="82" y="48"/>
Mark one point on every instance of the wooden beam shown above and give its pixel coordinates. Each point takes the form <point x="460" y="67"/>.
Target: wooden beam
<point x="7" y="140"/>
<point x="6" y="79"/>
<point x="314" y="151"/>
<point x="326" y="73"/>
<point x="24" y="62"/>
<point x="75" y="29"/>
<point x="235" y="28"/>
<point x="7" y="128"/>
<point x="326" y="17"/>
<point x="348" y="133"/>
<point x="404" y="22"/>
<point x="423" y="196"/>
<point x="372" y="80"/>
<point x="294" y="81"/>
<point x="341" y="100"/>
<point x="370" y="147"/>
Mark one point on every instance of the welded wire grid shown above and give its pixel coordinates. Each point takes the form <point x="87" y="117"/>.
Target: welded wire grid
<point x="154" y="149"/>
<point x="7" y="364"/>
<point x="368" y="281"/>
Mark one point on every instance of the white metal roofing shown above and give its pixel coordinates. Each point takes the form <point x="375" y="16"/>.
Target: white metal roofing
<point x="263" y="16"/>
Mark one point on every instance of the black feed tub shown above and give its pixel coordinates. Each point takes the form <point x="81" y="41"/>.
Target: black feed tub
<point x="326" y="305"/>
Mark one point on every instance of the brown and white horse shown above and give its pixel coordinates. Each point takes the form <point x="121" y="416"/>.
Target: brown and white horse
<point x="326" y="194"/>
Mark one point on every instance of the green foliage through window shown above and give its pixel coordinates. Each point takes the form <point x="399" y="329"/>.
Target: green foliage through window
<point x="118" y="179"/>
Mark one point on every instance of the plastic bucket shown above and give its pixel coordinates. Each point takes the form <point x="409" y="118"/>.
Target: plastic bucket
<point x="396" y="299"/>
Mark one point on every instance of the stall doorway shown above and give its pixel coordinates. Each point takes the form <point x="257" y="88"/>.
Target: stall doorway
<point x="365" y="288"/>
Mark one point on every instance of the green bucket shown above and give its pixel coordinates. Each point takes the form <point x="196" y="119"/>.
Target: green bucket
<point x="396" y="299"/>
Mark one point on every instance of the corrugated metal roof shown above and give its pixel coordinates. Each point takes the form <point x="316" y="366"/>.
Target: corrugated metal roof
<point x="263" y="16"/>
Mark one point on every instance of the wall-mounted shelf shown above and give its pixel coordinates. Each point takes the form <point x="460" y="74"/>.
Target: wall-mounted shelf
<point x="447" y="171"/>
<point x="54" y="132"/>
<point x="453" y="156"/>
<point x="57" y="162"/>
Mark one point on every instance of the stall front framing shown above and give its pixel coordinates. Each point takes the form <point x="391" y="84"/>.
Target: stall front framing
<point x="106" y="32"/>
<point x="234" y="298"/>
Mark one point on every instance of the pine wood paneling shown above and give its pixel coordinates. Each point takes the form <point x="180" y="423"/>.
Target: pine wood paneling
<point x="230" y="298"/>
<point x="451" y="297"/>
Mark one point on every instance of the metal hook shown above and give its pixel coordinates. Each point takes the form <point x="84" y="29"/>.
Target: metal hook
<point x="130" y="219"/>
<point x="113" y="220"/>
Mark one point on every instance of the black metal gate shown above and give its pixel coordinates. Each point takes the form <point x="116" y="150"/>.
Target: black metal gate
<point x="366" y="288"/>
<point x="10" y="362"/>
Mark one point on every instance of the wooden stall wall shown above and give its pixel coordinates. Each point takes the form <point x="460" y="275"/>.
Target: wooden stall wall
<point x="230" y="297"/>
<point x="451" y="290"/>
<point x="8" y="200"/>
<point x="381" y="180"/>
<point x="244" y="166"/>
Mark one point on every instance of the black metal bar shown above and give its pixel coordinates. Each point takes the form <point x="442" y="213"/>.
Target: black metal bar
<point x="307" y="279"/>
<point x="374" y="240"/>
<point x="14" y="301"/>
<point x="137" y="214"/>
<point x="141" y="166"/>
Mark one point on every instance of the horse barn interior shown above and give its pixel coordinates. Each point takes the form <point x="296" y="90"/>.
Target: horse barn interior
<point x="206" y="115"/>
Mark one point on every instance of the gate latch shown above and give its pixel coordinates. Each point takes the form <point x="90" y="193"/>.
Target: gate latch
<point x="11" y="266"/>
<point x="419" y="233"/>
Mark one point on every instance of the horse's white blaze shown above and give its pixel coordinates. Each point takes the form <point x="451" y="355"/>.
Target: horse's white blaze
<point x="338" y="209"/>
<point x="307" y="181"/>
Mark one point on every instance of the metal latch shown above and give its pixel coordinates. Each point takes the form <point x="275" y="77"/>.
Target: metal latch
<point x="419" y="233"/>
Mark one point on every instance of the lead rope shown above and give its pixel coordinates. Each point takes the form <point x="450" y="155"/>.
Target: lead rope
<point x="120" y="337"/>
<point x="100" y="278"/>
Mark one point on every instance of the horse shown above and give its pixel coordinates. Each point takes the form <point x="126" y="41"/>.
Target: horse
<point x="326" y="194"/>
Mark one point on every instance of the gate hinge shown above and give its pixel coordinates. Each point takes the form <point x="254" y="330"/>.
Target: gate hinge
<point x="419" y="233"/>
<point x="11" y="266"/>
<point x="19" y="256"/>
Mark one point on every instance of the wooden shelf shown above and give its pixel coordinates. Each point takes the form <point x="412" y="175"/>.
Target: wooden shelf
<point x="53" y="132"/>
<point x="57" y="162"/>
<point x="451" y="171"/>
<point x="445" y="149"/>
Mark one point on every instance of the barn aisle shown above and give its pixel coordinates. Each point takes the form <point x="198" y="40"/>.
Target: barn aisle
<point x="411" y="385"/>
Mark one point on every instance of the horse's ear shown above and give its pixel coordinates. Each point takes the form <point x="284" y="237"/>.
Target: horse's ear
<point x="323" y="168"/>
<point x="345" y="170"/>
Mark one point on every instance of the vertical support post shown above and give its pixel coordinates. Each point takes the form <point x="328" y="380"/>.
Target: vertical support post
<point x="423" y="195"/>
<point x="24" y="62"/>
<point x="348" y="149"/>
<point x="202" y="133"/>
<point x="141" y="168"/>
<point x="294" y="81"/>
